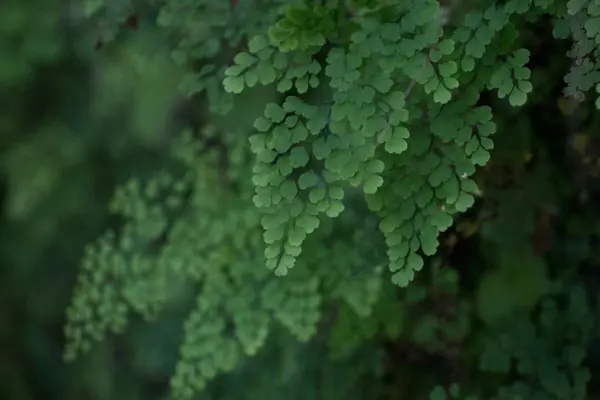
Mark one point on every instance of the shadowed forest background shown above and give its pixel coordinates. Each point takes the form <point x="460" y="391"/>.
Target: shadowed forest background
<point x="80" y="114"/>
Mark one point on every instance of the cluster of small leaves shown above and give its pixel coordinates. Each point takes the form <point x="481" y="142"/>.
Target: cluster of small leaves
<point x="116" y="274"/>
<point x="379" y="117"/>
<point x="581" y="23"/>
<point x="262" y="64"/>
<point x="145" y="265"/>
<point x="199" y="26"/>
<point x="547" y="357"/>
<point x="428" y="314"/>
<point x="371" y="135"/>
<point x="537" y="357"/>
<point x="205" y="31"/>
<point x="303" y="28"/>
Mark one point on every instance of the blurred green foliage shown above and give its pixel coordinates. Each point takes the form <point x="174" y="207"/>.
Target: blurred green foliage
<point x="505" y="310"/>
